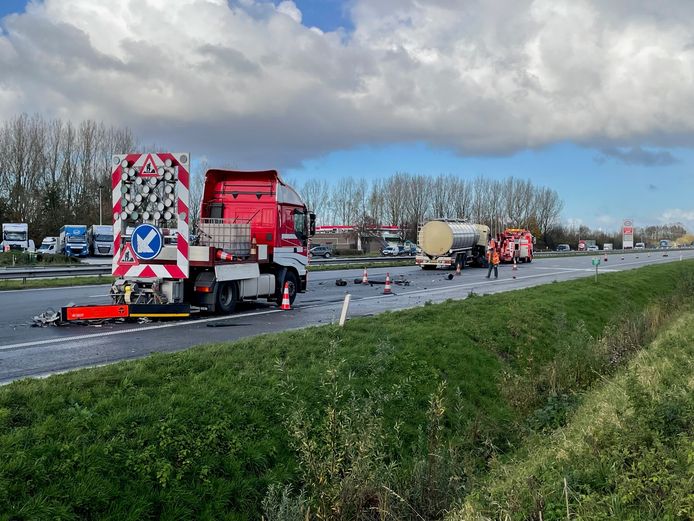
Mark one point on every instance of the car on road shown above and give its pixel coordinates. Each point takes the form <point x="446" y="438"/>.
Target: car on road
<point x="639" y="246"/>
<point x="563" y="247"/>
<point x="321" y="251"/>
<point x="407" y="249"/>
<point x="592" y="247"/>
<point x="390" y="250"/>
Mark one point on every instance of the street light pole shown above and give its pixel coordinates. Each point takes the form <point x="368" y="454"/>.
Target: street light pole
<point x="100" y="212"/>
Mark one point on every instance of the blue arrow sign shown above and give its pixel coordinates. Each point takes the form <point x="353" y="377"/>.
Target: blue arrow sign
<point x="147" y="241"/>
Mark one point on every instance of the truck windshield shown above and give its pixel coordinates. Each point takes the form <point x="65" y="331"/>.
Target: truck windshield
<point x="77" y="238"/>
<point x="15" y="236"/>
<point x="103" y="238"/>
<point x="299" y="223"/>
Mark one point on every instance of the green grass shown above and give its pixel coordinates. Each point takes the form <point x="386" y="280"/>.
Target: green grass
<point x="627" y="453"/>
<point x="55" y="283"/>
<point x="420" y="401"/>
<point x="19" y="259"/>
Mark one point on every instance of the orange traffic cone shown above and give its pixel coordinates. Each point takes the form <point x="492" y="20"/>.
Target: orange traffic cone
<point x="224" y="256"/>
<point x="457" y="269"/>
<point x="365" y="278"/>
<point x="285" y="298"/>
<point x="386" y="288"/>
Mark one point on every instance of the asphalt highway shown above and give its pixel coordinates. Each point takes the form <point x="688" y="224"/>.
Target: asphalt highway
<point x="27" y="351"/>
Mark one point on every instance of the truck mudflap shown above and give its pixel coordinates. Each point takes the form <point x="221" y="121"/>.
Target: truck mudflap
<point x="105" y="312"/>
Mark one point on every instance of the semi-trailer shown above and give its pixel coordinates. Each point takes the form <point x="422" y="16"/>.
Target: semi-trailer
<point x="447" y="243"/>
<point x="100" y="239"/>
<point x="15" y="236"/>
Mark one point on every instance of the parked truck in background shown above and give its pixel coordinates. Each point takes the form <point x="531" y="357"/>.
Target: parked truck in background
<point x="72" y="240"/>
<point x="516" y="243"/>
<point x="15" y="236"/>
<point x="447" y="243"/>
<point x="100" y="239"/>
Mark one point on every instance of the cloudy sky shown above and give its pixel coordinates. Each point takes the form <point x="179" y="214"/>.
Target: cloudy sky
<point x="594" y="98"/>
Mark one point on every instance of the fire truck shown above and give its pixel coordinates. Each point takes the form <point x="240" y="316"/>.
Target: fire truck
<point x="248" y="243"/>
<point x="516" y="243"/>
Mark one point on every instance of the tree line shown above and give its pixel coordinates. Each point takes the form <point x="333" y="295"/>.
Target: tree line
<point x="54" y="172"/>
<point x="407" y="200"/>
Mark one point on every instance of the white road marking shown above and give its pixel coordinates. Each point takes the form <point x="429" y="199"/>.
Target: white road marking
<point x="602" y="270"/>
<point x="479" y="283"/>
<point x="135" y="330"/>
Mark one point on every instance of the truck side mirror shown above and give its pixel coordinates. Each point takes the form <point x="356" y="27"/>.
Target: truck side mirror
<point x="312" y="224"/>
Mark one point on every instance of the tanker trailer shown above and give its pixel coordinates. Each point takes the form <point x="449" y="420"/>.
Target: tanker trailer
<point x="446" y="243"/>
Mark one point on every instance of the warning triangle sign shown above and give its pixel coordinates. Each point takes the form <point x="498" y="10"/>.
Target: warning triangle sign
<point x="149" y="168"/>
<point x="127" y="258"/>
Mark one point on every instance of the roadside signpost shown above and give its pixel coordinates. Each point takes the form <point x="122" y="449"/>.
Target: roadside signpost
<point x="596" y="263"/>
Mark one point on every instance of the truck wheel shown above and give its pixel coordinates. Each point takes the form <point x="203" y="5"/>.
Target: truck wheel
<point x="227" y="294"/>
<point x="291" y="279"/>
<point x="425" y="267"/>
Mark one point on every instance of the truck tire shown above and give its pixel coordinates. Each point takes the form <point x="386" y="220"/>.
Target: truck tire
<point x="227" y="295"/>
<point x="293" y="281"/>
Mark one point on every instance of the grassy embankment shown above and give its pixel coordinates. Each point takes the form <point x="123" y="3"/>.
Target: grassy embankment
<point x="395" y="416"/>
<point x="627" y="452"/>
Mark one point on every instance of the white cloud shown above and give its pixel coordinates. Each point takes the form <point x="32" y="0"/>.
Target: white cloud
<point x="247" y="81"/>
<point x="675" y="215"/>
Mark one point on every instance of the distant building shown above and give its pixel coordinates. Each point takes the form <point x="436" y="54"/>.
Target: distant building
<point x="346" y="237"/>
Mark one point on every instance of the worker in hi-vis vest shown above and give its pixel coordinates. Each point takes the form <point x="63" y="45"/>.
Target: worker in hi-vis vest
<point x="493" y="260"/>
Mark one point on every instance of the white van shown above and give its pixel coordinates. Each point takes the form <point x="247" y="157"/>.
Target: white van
<point x="48" y="246"/>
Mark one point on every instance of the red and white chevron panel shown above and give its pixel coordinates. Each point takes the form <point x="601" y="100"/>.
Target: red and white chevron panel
<point x="140" y="170"/>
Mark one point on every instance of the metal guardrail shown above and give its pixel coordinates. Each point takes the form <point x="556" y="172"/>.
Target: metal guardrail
<point x="56" y="272"/>
<point x="52" y="272"/>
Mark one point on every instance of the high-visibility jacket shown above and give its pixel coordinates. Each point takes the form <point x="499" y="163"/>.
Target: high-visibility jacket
<point x="493" y="257"/>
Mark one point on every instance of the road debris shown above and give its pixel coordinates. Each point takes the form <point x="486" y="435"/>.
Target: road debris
<point x="340" y="282"/>
<point x="47" y="318"/>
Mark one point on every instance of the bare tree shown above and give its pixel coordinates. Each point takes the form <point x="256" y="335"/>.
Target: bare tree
<point x="395" y="189"/>
<point x="316" y="194"/>
<point x="548" y="207"/>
